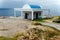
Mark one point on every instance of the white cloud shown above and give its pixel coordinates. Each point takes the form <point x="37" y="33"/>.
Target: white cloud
<point x="35" y="0"/>
<point x="0" y="1"/>
<point x="45" y="1"/>
<point x="32" y="0"/>
<point x="16" y="0"/>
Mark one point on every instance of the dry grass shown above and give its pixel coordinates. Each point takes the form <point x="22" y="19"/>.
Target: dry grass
<point x="37" y="34"/>
<point x="35" y="31"/>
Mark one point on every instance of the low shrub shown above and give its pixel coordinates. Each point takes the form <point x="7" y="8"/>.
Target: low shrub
<point x="56" y="19"/>
<point x="47" y="18"/>
<point x="6" y="38"/>
<point x="38" y="34"/>
<point x="36" y="23"/>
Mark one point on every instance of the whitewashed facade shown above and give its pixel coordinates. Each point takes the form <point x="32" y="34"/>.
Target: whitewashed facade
<point x="30" y="12"/>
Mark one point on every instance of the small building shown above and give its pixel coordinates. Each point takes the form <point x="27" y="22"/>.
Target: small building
<point x="29" y="11"/>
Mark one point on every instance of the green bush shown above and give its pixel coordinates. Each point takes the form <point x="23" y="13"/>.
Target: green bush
<point x="56" y="19"/>
<point x="6" y="38"/>
<point x="36" y="23"/>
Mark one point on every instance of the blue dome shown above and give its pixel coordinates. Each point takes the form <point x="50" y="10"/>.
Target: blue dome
<point x="35" y="6"/>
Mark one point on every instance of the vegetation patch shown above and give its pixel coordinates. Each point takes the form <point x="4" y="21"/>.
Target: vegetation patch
<point x="47" y="18"/>
<point x="35" y="34"/>
<point x="36" y="23"/>
<point x="56" y="19"/>
<point x="38" y="34"/>
<point x="6" y="38"/>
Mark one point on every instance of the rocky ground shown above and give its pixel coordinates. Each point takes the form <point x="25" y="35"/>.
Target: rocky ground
<point x="38" y="34"/>
<point x="27" y="30"/>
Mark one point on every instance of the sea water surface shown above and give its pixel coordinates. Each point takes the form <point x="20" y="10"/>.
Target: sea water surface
<point x="8" y="12"/>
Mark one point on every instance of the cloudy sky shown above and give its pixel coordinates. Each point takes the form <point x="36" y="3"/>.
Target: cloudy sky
<point x="8" y="3"/>
<point x="53" y="5"/>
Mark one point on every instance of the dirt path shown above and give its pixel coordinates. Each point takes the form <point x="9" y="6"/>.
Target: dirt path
<point x="9" y="27"/>
<point x="52" y="24"/>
